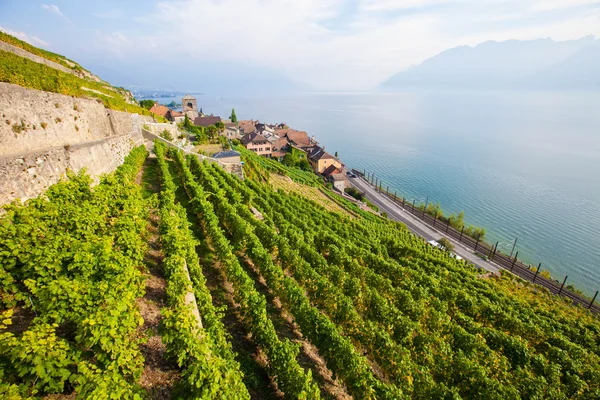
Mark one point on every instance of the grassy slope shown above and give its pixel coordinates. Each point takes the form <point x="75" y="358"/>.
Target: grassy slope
<point x="484" y="338"/>
<point x="24" y="72"/>
<point x="57" y="58"/>
<point x="281" y="177"/>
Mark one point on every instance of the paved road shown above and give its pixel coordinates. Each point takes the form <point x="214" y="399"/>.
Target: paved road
<point x="415" y="225"/>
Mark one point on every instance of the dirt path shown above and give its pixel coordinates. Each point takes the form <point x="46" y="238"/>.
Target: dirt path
<point x="251" y="358"/>
<point x="160" y="374"/>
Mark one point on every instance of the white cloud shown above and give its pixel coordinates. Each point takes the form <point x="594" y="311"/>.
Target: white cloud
<point x="53" y="9"/>
<point x="332" y="44"/>
<point x="34" y="40"/>
<point x="544" y="5"/>
<point x="390" y="5"/>
<point x="109" y="14"/>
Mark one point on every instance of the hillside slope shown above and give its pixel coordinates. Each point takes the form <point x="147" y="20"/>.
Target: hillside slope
<point x="55" y="117"/>
<point x="31" y="67"/>
<point x="171" y="278"/>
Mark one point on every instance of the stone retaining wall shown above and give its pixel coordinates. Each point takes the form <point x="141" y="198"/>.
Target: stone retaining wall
<point x="33" y="120"/>
<point x="31" y="174"/>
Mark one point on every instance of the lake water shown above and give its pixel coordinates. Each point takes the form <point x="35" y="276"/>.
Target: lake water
<point x="522" y="165"/>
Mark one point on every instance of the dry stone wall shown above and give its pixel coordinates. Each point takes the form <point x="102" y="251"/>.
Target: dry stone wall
<point x="157" y="128"/>
<point x="34" y="120"/>
<point x="31" y="174"/>
<point x="69" y="134"/>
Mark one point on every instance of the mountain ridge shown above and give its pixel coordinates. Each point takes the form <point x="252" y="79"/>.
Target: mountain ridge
<point x="515" y="64"/>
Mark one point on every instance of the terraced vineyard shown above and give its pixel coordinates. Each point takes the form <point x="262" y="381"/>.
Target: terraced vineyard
<point x="268" y="294"/>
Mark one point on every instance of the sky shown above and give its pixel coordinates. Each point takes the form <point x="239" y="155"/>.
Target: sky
<point x="323" y="44"/>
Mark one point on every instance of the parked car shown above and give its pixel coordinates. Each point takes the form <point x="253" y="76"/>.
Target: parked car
<point x="439" y="246"/>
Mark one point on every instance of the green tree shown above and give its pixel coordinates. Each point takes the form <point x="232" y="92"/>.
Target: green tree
<point x="212" y="131"/>
<point x="288" y="160"/>
<point x="292" y="158"/>
<point x="220" y="126"/>
<point x="304" y="165"/>
<point x="147" y="104"/>
<point x="446" y="244"/>
<point x="233" y="117"/>
<point x="187" y="124"/>
<point x="336" y="154"/>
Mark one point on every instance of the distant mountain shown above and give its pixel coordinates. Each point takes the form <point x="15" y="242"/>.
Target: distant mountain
<point x="513" y="64"/>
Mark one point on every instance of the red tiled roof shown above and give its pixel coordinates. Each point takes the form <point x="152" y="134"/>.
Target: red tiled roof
<point x="338" y="176"/>
<point x="332" y="169"/>
<point x="282" y="132"/>
<point x="298" y="137"/>
<point x="317" y="153"/>
<point x="159" y="110"/>
<point x="172" y="114"/>
<point x="247" y="126"/>
<point x="206" y="121"/>
<point x="253" y="137"/>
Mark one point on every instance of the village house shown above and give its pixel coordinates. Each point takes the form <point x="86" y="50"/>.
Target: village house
<point x="258" y="144"/>
<point x="228" y="156"/>
<point x="206" y="121"/>
<point x="339" y="180"/>
<point x="319" y="159"/>
<point x="247" y="126"/>
<point x="298" y="138"/>
<point x="159" y="109"/>
<point x="174" y="116"/>
<point x="231" y="131"/>
<point x="264" y="129"/>
<point x="337" y="177"/>
<point x="279" y="146"/>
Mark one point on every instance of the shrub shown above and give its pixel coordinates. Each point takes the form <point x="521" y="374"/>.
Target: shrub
<point x="354" y="192"/>
<point x="371" y="205"/>
<point x="165" y="134"/>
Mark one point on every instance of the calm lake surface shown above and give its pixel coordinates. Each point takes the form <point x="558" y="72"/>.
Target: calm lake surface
<point x="521" y="165"/>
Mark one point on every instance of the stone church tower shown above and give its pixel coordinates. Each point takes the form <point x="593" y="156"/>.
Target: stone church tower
<point x="188" y="103"/>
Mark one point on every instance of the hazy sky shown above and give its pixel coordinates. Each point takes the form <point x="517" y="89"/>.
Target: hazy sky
<point x="329" y="44"/>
